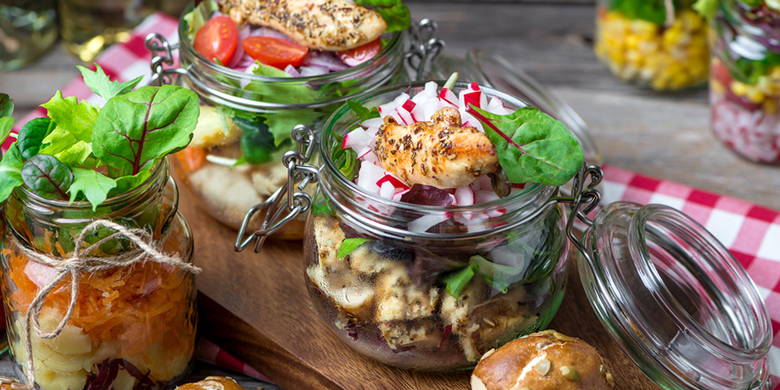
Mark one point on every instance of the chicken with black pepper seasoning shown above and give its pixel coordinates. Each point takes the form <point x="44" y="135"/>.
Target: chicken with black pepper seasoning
<point x="332" y="25"/>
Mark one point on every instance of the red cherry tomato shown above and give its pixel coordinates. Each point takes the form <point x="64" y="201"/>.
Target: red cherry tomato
<point x="276" y="52"/>
<point x="361" y="54"/>
<point x="217" y="39"/>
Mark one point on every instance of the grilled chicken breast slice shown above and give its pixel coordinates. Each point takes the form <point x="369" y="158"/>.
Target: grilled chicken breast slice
<point x="331" y="25"/>
<point x="440" y="153"/>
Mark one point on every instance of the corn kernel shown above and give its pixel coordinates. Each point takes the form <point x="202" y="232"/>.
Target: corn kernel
<point x="717" y="87"/>
<point x="691" y="20"/>
<point x="770" y="106"/>
<point x="739" y="88"/>
<point x="643" y="28"/>
<point x="632" y="42"/>
<point x="755" y="95"/>
<point x="634" y="57"/>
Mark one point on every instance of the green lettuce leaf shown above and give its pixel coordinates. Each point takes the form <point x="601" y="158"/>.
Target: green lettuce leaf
<point x="456" y="281"/>
<point x="293" y="92"/>
<point x="32" y="134"/>
<point x="10" y="171"/>
<point x="102" y="86"/>
<point x="349" y="245"/>
<point x="362" y="112"/>
<point x="93" y="185"/>
<point x="395" y="13"/>
<point x="72" y="116"/>
<point x="47" y="176"/>
<point x="135" y="129"/>
<point x="532" y="147"/>
<point x="707" y="8"/>
<point x="6" y="124"/>
<point x="127" y="183"/>
<point x="652" y="11"/>
<point x="498" y="276"/>
<point x="281" y="123"/>
<point x="199" y="15"/>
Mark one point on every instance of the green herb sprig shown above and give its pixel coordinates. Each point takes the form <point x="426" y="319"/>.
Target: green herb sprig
<point x="84" y="152"/>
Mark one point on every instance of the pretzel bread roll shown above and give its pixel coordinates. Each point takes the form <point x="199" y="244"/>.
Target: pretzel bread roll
<point x="212" y="383"/>
<point x="546" y="360"/>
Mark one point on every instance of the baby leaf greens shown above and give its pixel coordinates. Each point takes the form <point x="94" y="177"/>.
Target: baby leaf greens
<point x="532" y="147"/>
<point x="6" y="120"/>
<point x="83" y="152"/>
<point x="394" y="12"/>
<point x="133" y="130"/>
<point x="47" y="176"/>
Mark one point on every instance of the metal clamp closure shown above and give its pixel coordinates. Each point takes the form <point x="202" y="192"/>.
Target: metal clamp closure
<point x="584" y="199"/>
<point x="162" y="54"/>
<point x="290" y="200"/>
<point x="425" y="47"/>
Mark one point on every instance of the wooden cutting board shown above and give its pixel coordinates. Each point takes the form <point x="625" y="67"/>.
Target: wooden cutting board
<point x="257" y="307"/>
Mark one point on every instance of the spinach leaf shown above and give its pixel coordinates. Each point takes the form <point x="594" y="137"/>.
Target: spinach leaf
<point x="10" y="171"/>
<point x="92" y="185"/>
<point x="135" y="129"/>
<point x="652" y="11"/>
<point x="455" y="282"/>
<point x="498" y="276"/>
<point x="6" y="105"/>
<point x="128" y="182"/>
<point x="31" y="136"/>
<point x="257" y="143"/>
<point x="47" y="176"/>
<point x="707" y="8"/>
<point x="362" y="112"/>
<point x="102" y="86"/>
<point x="749" y="71"/>
<point x="532" y="146"/>
<point x="394" y="12"/>
<point x="349" y="245"/>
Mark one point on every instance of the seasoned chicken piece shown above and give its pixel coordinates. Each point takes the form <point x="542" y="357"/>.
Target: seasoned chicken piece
<point x="331" y="25"/>
<point x="328" y="236"/>
<point x="345" y="289"/>
<point x="367" y="261"/>
<point x="423" y="333"/>
<point x="397" y="298"/>
<point x="439" y="153"/>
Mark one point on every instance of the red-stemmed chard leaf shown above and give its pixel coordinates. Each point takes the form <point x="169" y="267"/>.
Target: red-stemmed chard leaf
<point x="134" y="130"/>
<point x="47" y="176"/>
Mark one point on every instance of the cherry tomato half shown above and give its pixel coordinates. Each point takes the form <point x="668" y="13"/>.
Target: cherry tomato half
<point x="217" y="39"/>
<point x="361" y="54"/>
<point x="276" y="52"/>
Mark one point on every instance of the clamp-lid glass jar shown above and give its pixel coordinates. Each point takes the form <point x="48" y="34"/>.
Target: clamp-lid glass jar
<point x="129" y="326"/>
<point x="745" y="85"/>
<point x="396" y="292"/>
<point x="233" y="162"/>
<point x="659" y="44"/>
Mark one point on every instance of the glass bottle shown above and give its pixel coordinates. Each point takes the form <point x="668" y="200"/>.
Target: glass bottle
<point x="27" y="29"/>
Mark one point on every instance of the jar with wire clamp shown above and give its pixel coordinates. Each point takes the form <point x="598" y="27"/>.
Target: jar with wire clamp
<point x="250" y="101"/>
<point x="431" y="279"/>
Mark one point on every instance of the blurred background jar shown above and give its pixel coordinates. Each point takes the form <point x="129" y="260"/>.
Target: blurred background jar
<point x="27" y="29"/>
<point x="90" y="26"/>
<point x="745" y="85"/>
<point x="660" y="44"/>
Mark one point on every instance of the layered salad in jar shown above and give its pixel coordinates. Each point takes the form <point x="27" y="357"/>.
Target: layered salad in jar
<point x="644" y="42"/>
<point x="745" y="83"/>
<point x="297" y="53"/>
<point x="444" y="168"/>
<point x="123" y="324"/>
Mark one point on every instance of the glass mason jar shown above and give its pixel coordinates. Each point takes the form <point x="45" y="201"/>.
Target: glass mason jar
<point x="745" y="84"/>
<point x="667" y="291"/>
<point x="131" y="326"/>
<point x="387" y="300"/>
<point x="659" y="44"/>
<point x="225" y="167"/>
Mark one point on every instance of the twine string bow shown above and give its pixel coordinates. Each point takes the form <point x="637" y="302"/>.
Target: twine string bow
<point x="84" y="260"/>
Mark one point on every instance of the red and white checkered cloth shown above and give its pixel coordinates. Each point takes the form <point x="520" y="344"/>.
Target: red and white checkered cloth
<point x="751" y="232"/>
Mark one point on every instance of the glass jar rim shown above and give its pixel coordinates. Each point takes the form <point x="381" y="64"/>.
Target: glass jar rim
<point x="614" y="296"/>
<point x="185" y="44"/>
<point x="158" y="171"/>
<point x="524" y="196"/>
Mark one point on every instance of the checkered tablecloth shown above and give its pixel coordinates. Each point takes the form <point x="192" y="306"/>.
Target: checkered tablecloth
<point x="751" y="232"/>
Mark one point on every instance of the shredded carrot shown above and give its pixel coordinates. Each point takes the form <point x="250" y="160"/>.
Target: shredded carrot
<point x="139" y="307"/>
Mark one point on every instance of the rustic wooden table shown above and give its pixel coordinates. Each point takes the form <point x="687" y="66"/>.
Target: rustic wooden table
<point x="666" y="136"/>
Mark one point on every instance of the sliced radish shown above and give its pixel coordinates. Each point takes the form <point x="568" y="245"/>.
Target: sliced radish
<point x="464" y="196"/>
<point x="394" y="181"/>
<point x="368" y="175"/>
<point x="422" y="224"/>
<point x="356" y="139"/>
<point x="386" y="190"/>
<point x="469" y="120"/>
<point x="409" y="106"/>
<point x="496" y="106"/>
<point x="474" y="86"/>
<point x="448" y="97"/>
<point x="486" y="196"/>
<point x="405" y="116"/>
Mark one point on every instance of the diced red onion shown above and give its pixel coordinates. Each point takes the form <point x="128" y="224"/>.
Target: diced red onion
<point x="422" y="224"/>
<point x="292" y="71"/>
<point x="325" y="60"/>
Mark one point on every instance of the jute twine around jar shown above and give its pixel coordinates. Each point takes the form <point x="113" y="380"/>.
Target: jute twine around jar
<point x="82" y="260"/>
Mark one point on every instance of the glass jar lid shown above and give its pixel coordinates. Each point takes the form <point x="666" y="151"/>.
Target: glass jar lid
<point x="675" y="299"/>
<point x="495" y="71"/>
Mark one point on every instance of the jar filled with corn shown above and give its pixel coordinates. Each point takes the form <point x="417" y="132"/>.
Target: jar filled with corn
<point x="660" y="44"/>
<point x="745" y="83"/>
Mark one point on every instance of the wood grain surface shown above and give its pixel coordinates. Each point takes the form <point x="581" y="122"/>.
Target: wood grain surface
<point x="258" y="308"/>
